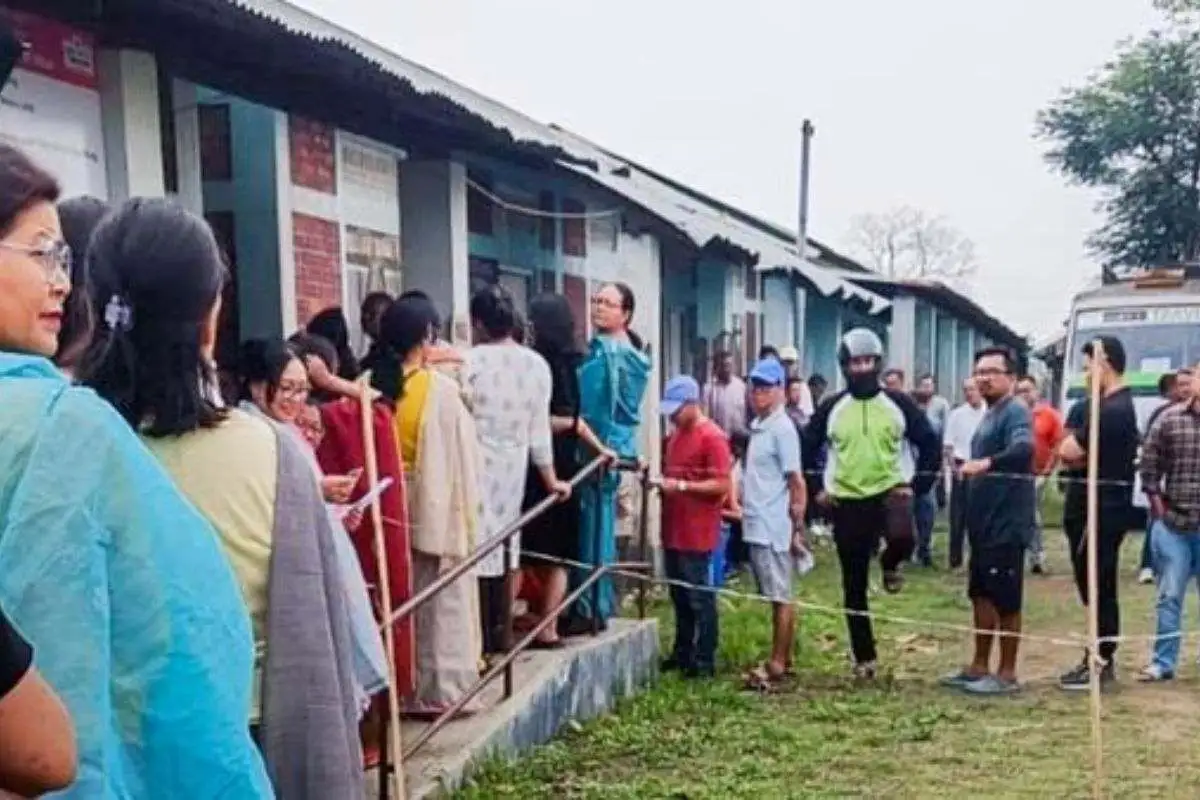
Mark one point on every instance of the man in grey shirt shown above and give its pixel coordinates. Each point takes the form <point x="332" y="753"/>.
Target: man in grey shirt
<point x="999" y="524"/>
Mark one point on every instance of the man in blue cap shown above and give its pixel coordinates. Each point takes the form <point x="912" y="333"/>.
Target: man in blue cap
<point x="773" y="505"/>
<point x="694" y="486"/>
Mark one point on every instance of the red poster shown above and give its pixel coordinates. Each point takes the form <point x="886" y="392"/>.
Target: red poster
<point x="55" y="50"/>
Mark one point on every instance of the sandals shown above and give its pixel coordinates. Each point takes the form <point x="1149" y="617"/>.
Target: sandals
<point x="1152" y="674"/>
<point x="760" y="679"/>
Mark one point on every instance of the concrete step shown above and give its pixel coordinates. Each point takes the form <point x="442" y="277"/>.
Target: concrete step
<point x="551" y="688"/>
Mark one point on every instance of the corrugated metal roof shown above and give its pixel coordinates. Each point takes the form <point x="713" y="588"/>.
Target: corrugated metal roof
<point x="702" y="223"/>
<point x="946" y="298"/>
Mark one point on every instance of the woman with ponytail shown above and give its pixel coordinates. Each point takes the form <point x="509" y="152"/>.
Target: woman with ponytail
<point x="437" y="441"/>
<point x="113" y="578"/>
<point x="156" y="279"/>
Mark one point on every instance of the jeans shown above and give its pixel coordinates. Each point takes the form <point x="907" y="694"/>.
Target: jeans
<point x="695" y="610"/>
<point x="925" y="510"/>
<point x="858" y="527"/>
<point x="1176" y="561"/>
<point x="1148" y="547"/>
<point x="958" y="521"/>
<point x="1037" y="548"/>
<point x="1109" y="536"/>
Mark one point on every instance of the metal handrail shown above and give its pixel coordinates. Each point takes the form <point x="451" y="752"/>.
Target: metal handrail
<point x="506" y="533"/>
<point x="503" y="665"/>
<point x="511" y="651"/>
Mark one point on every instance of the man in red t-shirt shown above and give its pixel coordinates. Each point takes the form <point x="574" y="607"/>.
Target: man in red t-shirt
<point x="695" y="482"/>
<point x="1047" y="434"/>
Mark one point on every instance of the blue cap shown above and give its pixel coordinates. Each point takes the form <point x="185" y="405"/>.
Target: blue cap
<point x="768" y="372"/>
<point x="680" y="391"/>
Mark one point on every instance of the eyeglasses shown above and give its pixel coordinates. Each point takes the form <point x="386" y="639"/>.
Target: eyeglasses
<point x="606" y="302"/>
<point x="293" y="391"/>
<point x="54" y="258"/>
<point x="991" y="372"/>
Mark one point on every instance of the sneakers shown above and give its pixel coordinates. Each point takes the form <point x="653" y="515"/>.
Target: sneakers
<point x="1079" y="679"/>
<point x="991" y="686"/>
<point x="1146" y="576"/>
<point x="957" y="680"/>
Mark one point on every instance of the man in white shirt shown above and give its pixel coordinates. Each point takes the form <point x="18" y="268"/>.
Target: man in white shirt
<point x="724" y="398"/>
<point x="960" y="429"/>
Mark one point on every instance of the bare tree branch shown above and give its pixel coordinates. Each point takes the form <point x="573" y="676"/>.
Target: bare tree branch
<point x="907" y="243"/>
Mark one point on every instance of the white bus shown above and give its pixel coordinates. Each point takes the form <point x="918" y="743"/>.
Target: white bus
<point x="1156" y="316"/>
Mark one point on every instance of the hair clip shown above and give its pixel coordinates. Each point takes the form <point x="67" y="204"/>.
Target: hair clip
<point x="118" y="315"/>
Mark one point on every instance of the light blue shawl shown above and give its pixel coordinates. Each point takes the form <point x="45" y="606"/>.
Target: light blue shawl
<point x="120" y="585"/>
<point x="612" y="382"/>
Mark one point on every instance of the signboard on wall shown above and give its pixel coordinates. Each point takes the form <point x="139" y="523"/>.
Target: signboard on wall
<point x="50" y="108"/>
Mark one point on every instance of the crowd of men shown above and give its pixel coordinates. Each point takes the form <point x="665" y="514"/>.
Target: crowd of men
<point x="772" y="454"/>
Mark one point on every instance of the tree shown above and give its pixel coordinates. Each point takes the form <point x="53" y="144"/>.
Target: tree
<point x="908" y="243"/>
<point x="1132" y="131"/>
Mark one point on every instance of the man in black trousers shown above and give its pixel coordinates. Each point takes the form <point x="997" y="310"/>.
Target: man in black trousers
<point x="1118" y="446"/>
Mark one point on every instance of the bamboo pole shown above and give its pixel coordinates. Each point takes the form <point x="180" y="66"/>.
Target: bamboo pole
<point x="366" y="408"/>
<point x="1098" y="359"/>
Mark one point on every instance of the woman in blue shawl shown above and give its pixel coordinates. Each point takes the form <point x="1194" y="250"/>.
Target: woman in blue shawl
<point x="114" y="579"/>
<point x="612" y="382"/>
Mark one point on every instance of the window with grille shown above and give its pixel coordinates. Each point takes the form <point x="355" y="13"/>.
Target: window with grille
<point x="372" y="265"/>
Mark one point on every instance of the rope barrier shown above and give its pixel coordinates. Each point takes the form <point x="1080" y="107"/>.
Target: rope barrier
<point x="1073" y="641"/>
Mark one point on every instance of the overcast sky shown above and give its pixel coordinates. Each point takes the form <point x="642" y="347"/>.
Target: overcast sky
<point x="928" y="103"/>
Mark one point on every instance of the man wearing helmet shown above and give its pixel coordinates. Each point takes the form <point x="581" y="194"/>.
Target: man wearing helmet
<point x="881" y="451"/>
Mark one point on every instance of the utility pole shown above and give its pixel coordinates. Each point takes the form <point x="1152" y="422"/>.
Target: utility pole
<point x="806" y="136"/>
<point x="799" y="296"/>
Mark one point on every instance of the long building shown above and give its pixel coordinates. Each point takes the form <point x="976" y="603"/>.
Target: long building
<point x="329" y="167"/>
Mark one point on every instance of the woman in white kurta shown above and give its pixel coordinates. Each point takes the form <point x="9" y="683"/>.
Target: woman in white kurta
<point x="507" y="386"/>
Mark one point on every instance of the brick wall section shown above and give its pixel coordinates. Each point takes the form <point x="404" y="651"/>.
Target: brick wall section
<point x="312" y="156"/>
<point x="318" y="265"/>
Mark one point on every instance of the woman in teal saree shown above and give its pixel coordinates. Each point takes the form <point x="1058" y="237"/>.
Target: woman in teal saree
<point x="612" y="382"/>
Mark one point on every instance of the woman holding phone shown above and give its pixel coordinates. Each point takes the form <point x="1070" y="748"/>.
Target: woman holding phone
<point x="275" y="386"/>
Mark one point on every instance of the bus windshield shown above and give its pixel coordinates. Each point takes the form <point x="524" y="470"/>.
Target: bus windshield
<point x="1156" y="340"/>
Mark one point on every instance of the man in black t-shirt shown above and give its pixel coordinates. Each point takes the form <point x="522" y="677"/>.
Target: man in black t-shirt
<point x="1118" y="445"/>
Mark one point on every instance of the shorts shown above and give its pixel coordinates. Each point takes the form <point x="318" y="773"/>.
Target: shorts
<point x="997" y="575"/>
<point x="772" y="572"/>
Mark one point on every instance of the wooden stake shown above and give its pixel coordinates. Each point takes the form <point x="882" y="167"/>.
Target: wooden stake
<point x="1098" y="359"/>
<point x="385" y="588"/>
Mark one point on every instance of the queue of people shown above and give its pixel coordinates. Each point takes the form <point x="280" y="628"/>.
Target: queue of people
<point x="191" y="567"/>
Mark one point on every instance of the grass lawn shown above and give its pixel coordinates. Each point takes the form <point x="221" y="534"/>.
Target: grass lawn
<point x="903" y="737"/>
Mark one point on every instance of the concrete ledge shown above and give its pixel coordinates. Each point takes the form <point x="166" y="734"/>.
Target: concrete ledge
<point x="581" y="681"/>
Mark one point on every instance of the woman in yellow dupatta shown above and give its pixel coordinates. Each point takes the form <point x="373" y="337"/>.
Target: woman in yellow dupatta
<point x="437" y="443"/>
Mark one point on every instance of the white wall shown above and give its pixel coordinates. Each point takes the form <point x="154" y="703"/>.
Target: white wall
<point x="132" y="130"/>
<point x="433" y="202"/>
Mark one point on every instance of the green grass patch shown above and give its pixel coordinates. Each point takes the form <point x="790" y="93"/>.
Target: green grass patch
<point x="825" y="736"/>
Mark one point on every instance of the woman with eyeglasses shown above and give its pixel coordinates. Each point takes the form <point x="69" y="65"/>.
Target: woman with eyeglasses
<point x="114" y="579"/>
<point x="334" y="430"/>
<point x="612" y="382"/>
<point x="275" y="385"/>
<point x="156" y="284"/>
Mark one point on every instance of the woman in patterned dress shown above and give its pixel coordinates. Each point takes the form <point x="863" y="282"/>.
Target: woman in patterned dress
<point x="508" y="388"/>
